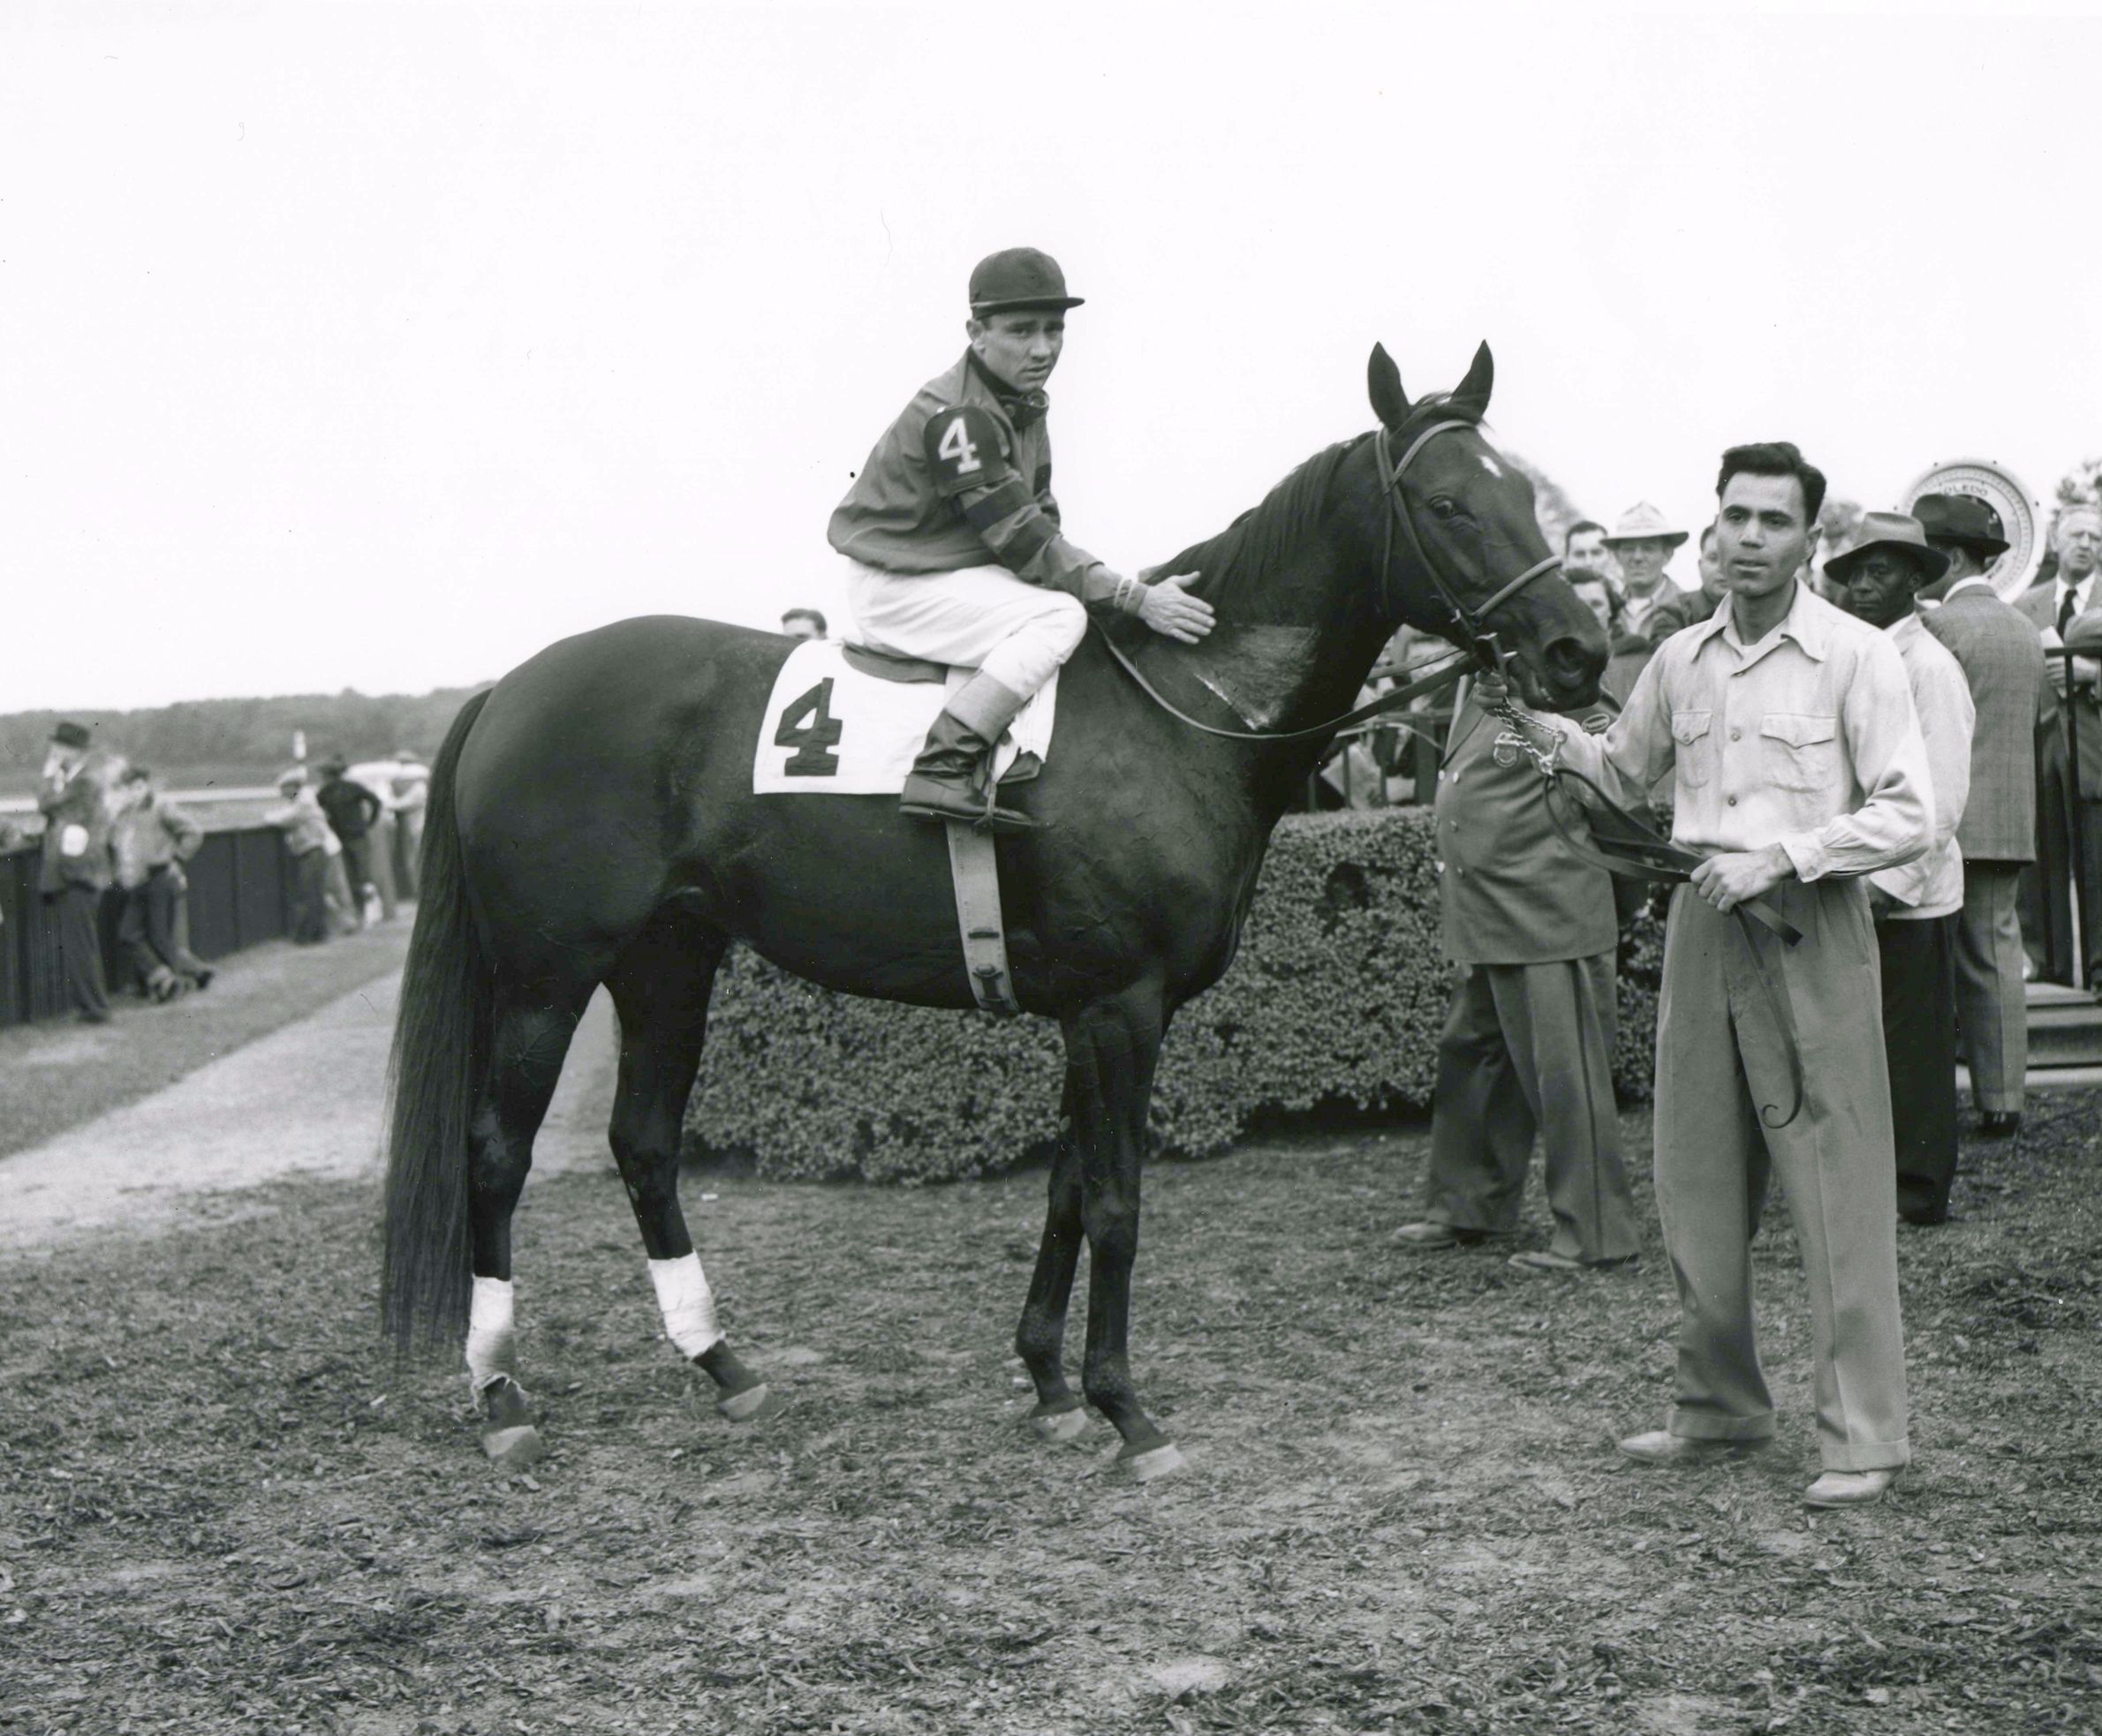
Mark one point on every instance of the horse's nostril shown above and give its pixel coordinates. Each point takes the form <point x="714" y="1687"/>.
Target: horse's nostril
<point x="1569" y="659"/>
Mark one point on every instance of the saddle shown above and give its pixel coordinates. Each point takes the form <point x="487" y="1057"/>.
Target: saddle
<point x="845" y="719"/>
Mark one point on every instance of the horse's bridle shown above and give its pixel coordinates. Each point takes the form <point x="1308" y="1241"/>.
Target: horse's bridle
<point x="1480" y="642"/>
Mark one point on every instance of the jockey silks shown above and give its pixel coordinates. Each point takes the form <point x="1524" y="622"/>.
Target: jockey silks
<point x="962" y="478"/>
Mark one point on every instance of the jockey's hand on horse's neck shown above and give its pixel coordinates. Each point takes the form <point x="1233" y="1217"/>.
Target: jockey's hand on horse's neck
<point x="1171" y="611"/>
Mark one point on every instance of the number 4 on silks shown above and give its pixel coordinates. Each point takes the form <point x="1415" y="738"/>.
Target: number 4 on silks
<point x="812" y="740"/>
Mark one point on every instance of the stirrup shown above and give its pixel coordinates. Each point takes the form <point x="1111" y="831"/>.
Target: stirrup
<point x="992" y="817"/>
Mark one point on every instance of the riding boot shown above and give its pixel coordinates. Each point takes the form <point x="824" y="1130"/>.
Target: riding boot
<point x="952" y="778"/>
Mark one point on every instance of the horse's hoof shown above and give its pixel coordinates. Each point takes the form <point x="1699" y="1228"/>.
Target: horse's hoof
<point x="1059" y="1425"/>
<point x="514" y="1448"/>
<point x="1154" y="1462"/>
<point x="754" y="1404"/>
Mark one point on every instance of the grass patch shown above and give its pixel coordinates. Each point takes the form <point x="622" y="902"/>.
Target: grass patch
<point x="58" y="1074"/>
<point x="222" y="1507"/>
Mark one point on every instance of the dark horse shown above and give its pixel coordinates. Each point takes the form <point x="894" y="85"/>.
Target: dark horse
<point x="591" y="820"/>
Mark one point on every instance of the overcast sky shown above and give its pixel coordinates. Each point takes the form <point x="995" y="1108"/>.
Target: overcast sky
<point x="351" y="347"/>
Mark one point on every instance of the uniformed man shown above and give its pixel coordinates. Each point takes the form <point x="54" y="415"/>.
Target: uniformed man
<point x="1799" y="767"/>
<point x="1915" y="904"/>
<point x="954" y="542"/>
<point x="1528" y="1039"/>
<point x="2003" y="661"/>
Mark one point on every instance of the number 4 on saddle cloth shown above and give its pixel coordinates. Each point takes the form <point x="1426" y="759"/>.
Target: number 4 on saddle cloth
<point x="844" y="721"/>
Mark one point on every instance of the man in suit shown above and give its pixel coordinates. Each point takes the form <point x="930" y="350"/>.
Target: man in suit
<point x="2003" y="663"/>
<point x="75" y="870"/>
<point x="2067" y="796"/>
<point x="1528" y="1039"/>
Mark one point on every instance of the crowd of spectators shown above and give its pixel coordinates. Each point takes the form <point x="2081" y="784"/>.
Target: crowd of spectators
<point x="2010" y="887"/>
<point x="353" y="840"/>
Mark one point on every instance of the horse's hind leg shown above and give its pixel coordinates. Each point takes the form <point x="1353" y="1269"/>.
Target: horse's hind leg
<point x="529" y="1034"/>
<point x="1040" y="1340"/>
<point x="661" y="988"/>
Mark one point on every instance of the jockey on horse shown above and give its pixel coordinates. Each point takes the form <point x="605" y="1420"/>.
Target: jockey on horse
<point x="953" y="544"/>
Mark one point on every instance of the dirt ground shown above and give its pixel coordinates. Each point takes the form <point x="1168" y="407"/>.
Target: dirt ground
<point x="222" y="1507"/>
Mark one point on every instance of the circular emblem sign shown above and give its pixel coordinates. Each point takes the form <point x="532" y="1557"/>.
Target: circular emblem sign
<point x="1985" y="480"/>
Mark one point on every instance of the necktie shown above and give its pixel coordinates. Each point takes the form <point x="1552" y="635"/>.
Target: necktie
<point x="2068" y="607"/>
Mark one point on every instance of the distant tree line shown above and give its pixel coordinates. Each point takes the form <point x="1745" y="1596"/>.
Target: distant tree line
<point x="254" y="733"/>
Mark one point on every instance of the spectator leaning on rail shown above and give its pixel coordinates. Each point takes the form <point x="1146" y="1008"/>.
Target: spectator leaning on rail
<point x="953" y="544"/>
<point x="75" y="868"/>
<point x="307" y="836"/>
<point x="411" y="793"/>
<point x="1915" y="904"/>
<point x="351" y="809"/>
<point x="1528" y="1037"/>
<point x="2067" y="796"/>
<point x="1797" y="767"/>
<point x="150" y="843"/>
<point x="2003" y="662"/>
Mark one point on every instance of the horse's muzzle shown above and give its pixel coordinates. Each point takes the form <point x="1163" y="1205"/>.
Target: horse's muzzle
<point x="1569" y="668"/>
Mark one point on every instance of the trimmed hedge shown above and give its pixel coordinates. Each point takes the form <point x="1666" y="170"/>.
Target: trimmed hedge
<point x="1334" y="1003"/>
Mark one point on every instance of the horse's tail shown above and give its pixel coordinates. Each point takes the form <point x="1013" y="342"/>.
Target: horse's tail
<point x="440" y="1038"/>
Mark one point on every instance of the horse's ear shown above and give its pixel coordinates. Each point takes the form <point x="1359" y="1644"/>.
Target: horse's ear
<point x="1471" y="395"/>
<point x="1390" y="402"/>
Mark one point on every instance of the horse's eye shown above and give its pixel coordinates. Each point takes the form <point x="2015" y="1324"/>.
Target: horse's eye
<point x="1442" y="506"/>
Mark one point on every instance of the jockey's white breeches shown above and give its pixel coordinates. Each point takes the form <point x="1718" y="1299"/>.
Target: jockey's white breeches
<point x="974" y="618"/>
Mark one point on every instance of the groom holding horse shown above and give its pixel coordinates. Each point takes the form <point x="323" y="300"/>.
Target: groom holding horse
<point x="953" y="543"/>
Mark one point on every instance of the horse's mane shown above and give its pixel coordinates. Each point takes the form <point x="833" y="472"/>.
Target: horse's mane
<point x="1247" y="550"/>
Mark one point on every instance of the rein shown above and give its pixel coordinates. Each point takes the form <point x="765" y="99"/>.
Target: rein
<point x="1454" y="665"/>
<point x="1479" y="646"/>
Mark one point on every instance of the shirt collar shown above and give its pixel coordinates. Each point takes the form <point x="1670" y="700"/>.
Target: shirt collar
<point x="2083" y="589"/>
<point x="1905" y="628"/>
<point x="1021" y="408"/>
<point x="1808" y="622"/>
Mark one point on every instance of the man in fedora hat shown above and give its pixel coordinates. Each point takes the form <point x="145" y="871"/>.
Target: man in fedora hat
<point x="2067" y="795"/>
<point x="954" y="546"/>
<point x="2003" y="662"/>
<point x="1916" y="903"/>
<point x="1643" y="543"/>
<point x="75" y="868"/>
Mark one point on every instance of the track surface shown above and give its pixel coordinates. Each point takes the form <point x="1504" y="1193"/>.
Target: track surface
<point x="305" y="1100"/>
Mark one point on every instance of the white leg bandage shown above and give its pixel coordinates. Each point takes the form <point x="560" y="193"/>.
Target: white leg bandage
<point x="688" y="1305"/>
<point x="490" y="1356"/>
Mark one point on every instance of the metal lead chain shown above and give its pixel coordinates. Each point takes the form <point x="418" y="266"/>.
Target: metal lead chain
<point x="1527" y="735"/>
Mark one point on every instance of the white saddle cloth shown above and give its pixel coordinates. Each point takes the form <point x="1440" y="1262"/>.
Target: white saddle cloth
<point x="831" y="730"/>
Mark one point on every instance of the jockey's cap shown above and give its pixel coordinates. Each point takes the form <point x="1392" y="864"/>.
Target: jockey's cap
<point x="1019" y="277"/>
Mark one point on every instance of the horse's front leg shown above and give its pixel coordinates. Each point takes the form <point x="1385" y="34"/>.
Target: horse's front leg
<point x="1040" y="1340"/>
<point x="1111" y="1051"/>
